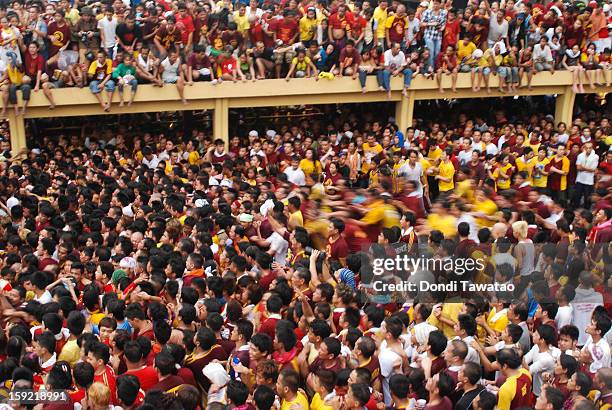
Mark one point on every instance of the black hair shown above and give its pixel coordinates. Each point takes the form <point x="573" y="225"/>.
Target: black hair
<point x="437" y="342"/>
<point x="128" y="387"/>
<point x="399" y="386"/>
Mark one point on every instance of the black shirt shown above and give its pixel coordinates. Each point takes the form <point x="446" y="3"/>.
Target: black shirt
<point x="127" y="35"/>
<point x="465" y="402"/>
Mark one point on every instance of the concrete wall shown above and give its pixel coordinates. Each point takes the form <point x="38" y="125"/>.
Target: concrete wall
<point x="263" y="93"/>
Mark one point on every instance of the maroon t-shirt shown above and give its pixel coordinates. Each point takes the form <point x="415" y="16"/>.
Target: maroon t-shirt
<point x="62" y="35"/>
<point x="33" y="65"/>
<point x="338" y="249"/>
<point x="445" y="404"/>
<point x="349" y="59"/>
<point x="197" y="63"/>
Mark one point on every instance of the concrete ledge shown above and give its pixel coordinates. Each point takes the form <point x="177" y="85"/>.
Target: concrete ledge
<point x="78" y="102"/>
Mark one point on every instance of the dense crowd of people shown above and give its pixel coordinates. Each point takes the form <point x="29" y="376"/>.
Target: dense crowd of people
<point x="115" y="46"/>
<point x="161" y="270"/>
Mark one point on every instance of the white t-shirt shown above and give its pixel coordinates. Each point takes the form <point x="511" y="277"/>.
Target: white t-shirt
<point x="153" y="163"/>
<point x="171" y="71"/>
<point x="600" y="353"/>
<point x="564" y="316"/>
<point x="108" y="27"/>
<point x="388" y="360"/>
<point x="44" y="298"/>
<point x="492" y="149"/>
<point x="585" y="301"/>
<point x="295" y="176"/>
<point x="280" y="246"/>
<point x="257" y="12"/>
<point x="464" y="157"/>
<point x="394" y="62"/>
<point x="586" y="177"/>
<point x="413" y="174"/>
<point x="540" y="363"/>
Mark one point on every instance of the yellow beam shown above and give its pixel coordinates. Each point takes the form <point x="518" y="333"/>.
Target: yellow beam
<point x="285" y="100"/>
<point x="18" y="134"/>
<point x="564" y="106"/>
<point x="404" y="109"/>
<point x="221" y="120"/>
<point x="266" y="91"/>
<point x="141" y="107"/>
<point x="462" y="94"/>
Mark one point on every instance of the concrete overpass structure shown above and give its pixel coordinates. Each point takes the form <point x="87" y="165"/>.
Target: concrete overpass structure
<point x="264" y="93"/>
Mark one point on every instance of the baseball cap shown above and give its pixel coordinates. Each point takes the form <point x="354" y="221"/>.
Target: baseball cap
<point x="128" y="263"/>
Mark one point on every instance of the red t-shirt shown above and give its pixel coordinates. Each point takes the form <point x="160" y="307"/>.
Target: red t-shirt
<point x="269" y="327"/>
<point x="337" y="22"/>
<point x="228" y="66"/>
<point x="188" y="26"/>
<point x="286" y="30"/>
<point x="147" y="377"/>
<point x="34" y="65"/>
<point x="108" y="378"/>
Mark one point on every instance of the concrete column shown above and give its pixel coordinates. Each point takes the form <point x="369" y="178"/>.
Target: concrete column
<point x="564" y="106"/>
<point x="404" y="110"/>
<point x="221" y="120"/>
<point x="17" y="129"/>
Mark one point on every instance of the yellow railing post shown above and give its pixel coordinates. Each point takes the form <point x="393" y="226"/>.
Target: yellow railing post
<point x="564" y="106"/>
<point x="404" y="110"/>
<point x="18" y="134"/>
<point x="221" y="120"/>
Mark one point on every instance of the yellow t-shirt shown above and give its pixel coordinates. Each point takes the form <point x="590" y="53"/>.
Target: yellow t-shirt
<point x="464" y="190"/>
<point x="242" y="22"/>
<point x="391" y="19"/>
<point x="447" y="170"/>
<point x="296" y="219"/>
<point x="379" y="212"/>
<point x="502" y="183"/>
<point x="508" y="390"/>
<point x="301" y="65"/>
<point x="308" y="28"/>
<point x="522" y="165"/>
<point x="193" y="158"/>
<point x="380" y="17"/>
<point x="299" y="400"/>
<point x="369" y="153"/>
<point x="71" y="352"/>
<point x="484" y="60"/>
<point x="317" y="403"/>
<point x="96" y="316"/>
<point x="95" y="64"/>
<point x="487" y="207"/>
<point x="540" y="180"/>
<point x="72" y="16"/>
<point x="446" y="224"/>
<point x="464" y="50"/>
<point x="15" y="75"/>
<point x="450" y="310"/>
<point x="435" y="154"/>
<point x="309" y="167"/>
<point x="497" y="322"/>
